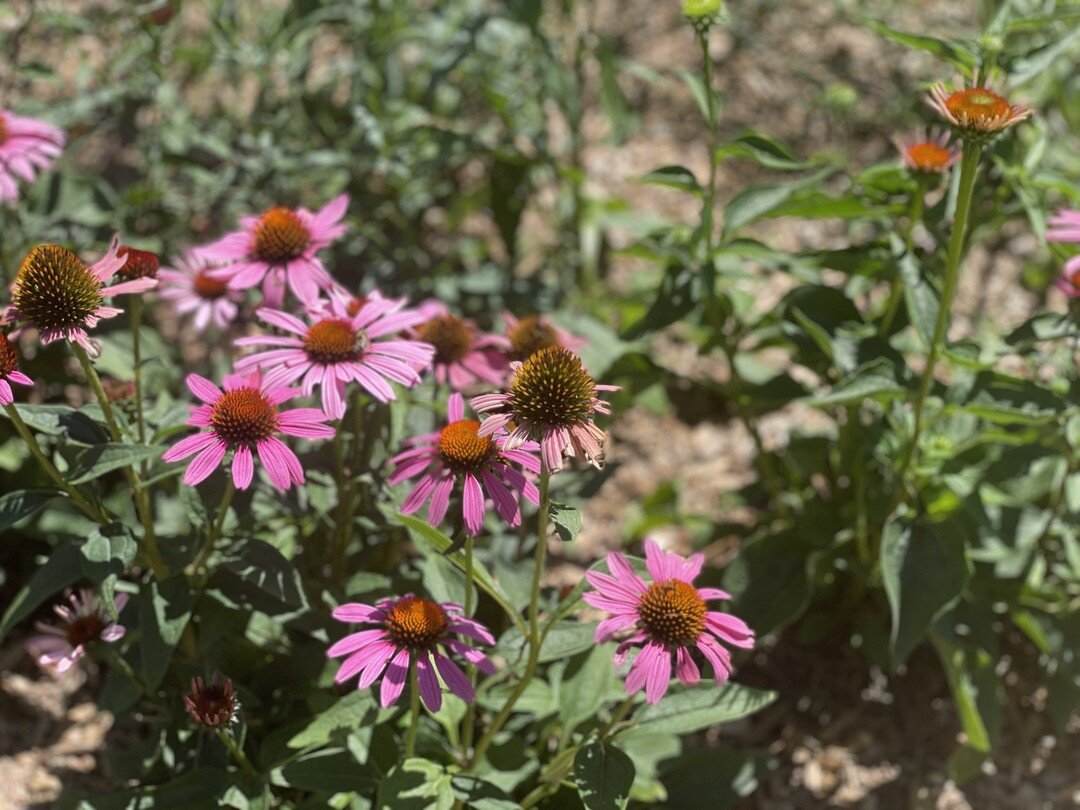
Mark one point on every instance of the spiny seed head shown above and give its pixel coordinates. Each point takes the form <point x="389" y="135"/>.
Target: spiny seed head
<point x="243" y="416"/>
<point x="461" y="449"/>
<point x="139" y="264"/>
<point x="55" y="289"/>
<point x="530" y="335"/>
<point x="280" y="236"/>
<point x="552" y="388"/>
<point x="416" y="622"/>
<point x="9" y="358"/>
<point x="929" y="157"/>
<point x="672" y="612"/>
<point x="85" y="629"/>
<point x="211" y="704"/>
<point x="206" y="286"/>
<point x="451" y="337"/>
<point x="333" y="341"/>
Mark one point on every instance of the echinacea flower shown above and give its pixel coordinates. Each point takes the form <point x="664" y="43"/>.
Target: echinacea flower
<point x="278" y="248"/>
<point x="976" y="112"/>
<point x="667" y="618"/>
<point x="63" y="296"/>
<point x="481" y="464"/>
<point x="410" y="628"/>
<point x="1065" y="227"/>
<point x="83" y="623"/>
<point x="464" y="355"/>
<point x="9" y="371"/>
<point x="137" y="263"/>
<point x="928" y="155"/>
<point x="241" y="419"/>
<point x="212" y="704"/>
<point x="336" y="348"/>
<point x="192" y="288"/>
<point x="532" y="333"/>
<point x="551" y="400"/>
<point x="26" y="147"/>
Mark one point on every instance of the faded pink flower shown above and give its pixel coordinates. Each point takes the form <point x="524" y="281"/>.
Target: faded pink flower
<point x="456" y="454"/>
<point x="526" y="336"/>
<point x="1065" y="227"/>
<point x="9" y="371"/>
<point x="551" y="400"/>
<point x="976" y="112"/>
<point x="667" y="618"/>
<point x="245" y="418"/>
<point x="278" y="248"/>
<point x="410" y="627"/>
<point x="464" y="356"/>
<point x="27" y="146"/>
<point x="336" y="348"/>
<point x="59" y="648"/>
<point x="62" y="296"/>
<point x="192" y="289"/>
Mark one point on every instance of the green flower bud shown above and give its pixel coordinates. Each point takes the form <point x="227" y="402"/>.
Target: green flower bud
<point x="703" y="14"/>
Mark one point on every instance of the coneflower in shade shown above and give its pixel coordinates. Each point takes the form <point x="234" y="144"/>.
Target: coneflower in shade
<point x="1065" y="227"/>
<point x="83" y="621"/>
<point x="190" y="286"/>
<point x="27" y="146"/>
<point x="526" y="336"/>
<point x="279" y="248"/>
<point x="213" y="704"/>
<point x="464" y="355"/>
<point x="929" y="155"/>
<point x="335" y="348"/>
<point x="9" y="371"/>
<point x="667" y="618"/>
<point x="551" y="400"/>
<point x="410" y="628"/>
<point x="976" y="112"/>
<point x="244" y="419"/>
<point x="63" y="296"/>
<point x="458" y="455"/>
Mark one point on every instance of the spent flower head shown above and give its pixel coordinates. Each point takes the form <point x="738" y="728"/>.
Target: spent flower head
<point x="213" y="704"/>
<point x="137" y="263"/>
<point x="84" y="621"/>
<point x="976" y="113"/>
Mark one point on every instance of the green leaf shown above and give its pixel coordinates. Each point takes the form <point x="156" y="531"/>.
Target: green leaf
<point x="22" y="503"/>
<point x="755" y="203"/>
<point x="604" y="775"/>
<point x="920" y="298"/>
<point x="261" y="566"/>
<point x="357" y="707"/>
<point x="704" y="705"/>
<point x="923" y="571"/>
<point x="1007" y="400"/>
<point x="953" y="51"/>
<point x="61" y="420"/>
<point x="164" y="612"/>
<point x="678" y="177"/>
<point x="564" y="640"/>
<point x="764" y="151"/>
<point x="770" y="580"/>
<point x="109" y="551"/>
<point x="477" y="794"/>
<point x="93" y="462"/>
<point x="416" y="783"/>
<point x="334" y="770"/>
<point x="567" y="521"/>
<point x="63" y="568"/>
<point x="583" y="692"/>
<point x="873" y="380"/>
<point x="201" y="788"/>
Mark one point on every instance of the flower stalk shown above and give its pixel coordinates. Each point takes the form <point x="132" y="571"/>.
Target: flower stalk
<point x="236" y="751"/>
<point x="414" y="709"/>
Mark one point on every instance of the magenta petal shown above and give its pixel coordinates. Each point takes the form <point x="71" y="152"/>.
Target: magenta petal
<point x="205" y="463"/>
<point x="393" y="683"/>
<point x="430" y="691"/>
<point x="455" y="678"/>
<point x="473" y="505"/>
<point x="242" y="467"/>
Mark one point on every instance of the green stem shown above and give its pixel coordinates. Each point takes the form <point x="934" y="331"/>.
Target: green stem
<point x="214" y="531"/>
<point x="710" y="187"/>
<point x="91" y="511"/>
<point x="896" y="292"/>
<point x="534" y="625"/>
<point x="237" y="752"/>
<point x="414" y="709"/>
<point x="617" y="717"/>
<point x="136" y="349"/>
<point x="468" y="723"/>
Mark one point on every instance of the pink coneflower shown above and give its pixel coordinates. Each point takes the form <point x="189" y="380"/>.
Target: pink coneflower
<point x="63" y="296"/>
<point x="336" y="348"/>
<point x="1065" y="227"/>
<point x="667" y="618"/>
<point x="244" y="418"/>
<point x="9" y="371"/>
<point x="976" y="112"/>
<point x="410" y="628"/>
<point x="526" y="336"/>
<point x="480" y="463"/>
<point x="27" y="146"/>
<point x="927" y="155"/>
<point x="551" y="400"/>
<point x="192" y="289"/>
<point x="84" y="622"/>
<point x="464" y="355"/>
<point x="278" y="248"/>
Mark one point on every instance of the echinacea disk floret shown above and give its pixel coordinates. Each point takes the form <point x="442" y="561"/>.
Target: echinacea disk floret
<point x="531" y="335"/>
<point x="280" y="236"/>
<point x="452" y="338"/>
<point x="415" y="622"/>
<point x="672" y="611"/>
<point x="211" y="704"/>
<point x="244" y="416"/>
<point x="55" y="289"/>
<point x="976" y="112"/>
<point x="552" y="388"/>
<point x="462" y="449"/>
<point x="333" y="340"/>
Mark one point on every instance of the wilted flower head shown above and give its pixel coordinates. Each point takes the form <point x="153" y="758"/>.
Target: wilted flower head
<point x="137" y="263"/>
<point x="83" y="621"/>
<point x="405" y="628"/>
<point x="526" y="336"/>
<point x="976" y="112"/>
<point x="63" y="296"/>
<point x="27" y="146"/>
<point x="927" y="155"/>
<point x="9" y="370"/>
<point x="551" y="400"/>
<point x="211" y="704"/>
<point x="667" y="618"/>
<point x="1065" y="227"/>
<point x="279" y="248"/>
<point x="458" y="454"/>
<point x="242" y="419"/>
<point x="464" y="355"/>
<point x="192" y="289"/>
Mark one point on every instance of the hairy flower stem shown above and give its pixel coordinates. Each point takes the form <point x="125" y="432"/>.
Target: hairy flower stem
<point x="237" y="752"/>
<point x="534" y="636"/>
<point x="708" y="205"/>
<point x="414" y="709"/>
<point x="91" y="511"/>
<point x="468" y="723"/>
<point x="136" y="349"/>
<point x="142" y="500"/>
<point x="969" y="167"/>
